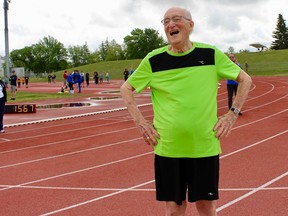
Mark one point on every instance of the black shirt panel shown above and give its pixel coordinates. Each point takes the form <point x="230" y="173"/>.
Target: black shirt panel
<point x="198" y="57"/>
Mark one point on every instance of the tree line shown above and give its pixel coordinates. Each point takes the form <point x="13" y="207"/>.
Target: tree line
<point x="49" y="54"/>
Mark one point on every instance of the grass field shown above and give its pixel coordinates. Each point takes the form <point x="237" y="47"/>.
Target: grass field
<point x="32" y="96"/>
<point x="267" y="63"/>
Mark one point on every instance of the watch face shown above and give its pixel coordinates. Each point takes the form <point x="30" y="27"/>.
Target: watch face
<point x="236" y="111"/>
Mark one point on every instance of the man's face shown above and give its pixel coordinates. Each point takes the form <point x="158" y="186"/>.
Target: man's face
<point x="232" y="58"/>
<point x="177" y="26"/>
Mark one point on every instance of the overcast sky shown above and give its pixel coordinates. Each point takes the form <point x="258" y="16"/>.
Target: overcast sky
<point x="223" y="23"/>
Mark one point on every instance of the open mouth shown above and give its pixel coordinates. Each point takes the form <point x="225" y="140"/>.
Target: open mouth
<point x="174" y="32"/>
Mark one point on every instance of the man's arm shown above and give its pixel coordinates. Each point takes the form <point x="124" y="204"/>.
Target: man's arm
<point x="146" y="128"/>
<point x="225" y="122"/>
<point x="244" y="84"/>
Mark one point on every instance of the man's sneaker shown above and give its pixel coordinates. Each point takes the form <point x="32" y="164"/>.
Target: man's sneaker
<point x="2" y="131"/>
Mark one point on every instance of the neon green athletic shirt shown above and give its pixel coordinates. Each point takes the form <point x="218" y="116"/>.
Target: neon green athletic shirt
<point x="184" y="96"/>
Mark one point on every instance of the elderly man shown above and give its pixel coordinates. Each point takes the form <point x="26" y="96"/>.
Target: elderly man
<point x="183" y="77"/>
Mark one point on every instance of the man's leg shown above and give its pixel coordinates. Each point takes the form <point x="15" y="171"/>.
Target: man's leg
<point x="79" y="87"/>
<point x="206" y="207"/>
<point x="172" y="209"/>
<point x="230" y="91"/>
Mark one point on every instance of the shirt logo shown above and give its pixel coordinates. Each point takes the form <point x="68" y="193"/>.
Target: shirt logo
<point x="201" y="62"/>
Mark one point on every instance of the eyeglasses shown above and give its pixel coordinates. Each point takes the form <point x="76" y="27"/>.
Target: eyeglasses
<point x="175" y="19"/>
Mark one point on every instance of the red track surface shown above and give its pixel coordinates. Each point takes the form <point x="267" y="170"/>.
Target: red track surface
<point x="94" y="162"/>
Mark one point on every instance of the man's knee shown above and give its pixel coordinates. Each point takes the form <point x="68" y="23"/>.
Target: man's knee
<point x="206" y="207"/>
<point x="173" y="209"/>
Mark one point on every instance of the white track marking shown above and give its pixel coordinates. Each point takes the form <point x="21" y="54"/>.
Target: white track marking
<point x="70" y="153"/>
<point x="251" y="192"/>
<point x="96" y="199"/>
<point x="78" y="171"/>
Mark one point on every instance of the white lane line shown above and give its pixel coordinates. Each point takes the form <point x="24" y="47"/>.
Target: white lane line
<point x="78" y="171"/>
<point x="67" y="140"/>
<point x="134" y="189"/>
<point x="251" y="192"/>
<point x="96" y="199"/>
<point x="261" y="119"/>
<point x="254" y="144"/>
<point x="70" y="153"/>
<point x="255" y="97"/>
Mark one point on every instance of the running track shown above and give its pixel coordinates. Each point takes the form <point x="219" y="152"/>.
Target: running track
<point x="93" y="161"/>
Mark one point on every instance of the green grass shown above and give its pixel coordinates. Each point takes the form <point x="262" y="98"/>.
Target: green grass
<point x="268" y="63"/>
<point x="32" y="96"/>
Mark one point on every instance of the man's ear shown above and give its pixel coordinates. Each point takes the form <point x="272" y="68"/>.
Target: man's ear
<point x="191" y="23"/>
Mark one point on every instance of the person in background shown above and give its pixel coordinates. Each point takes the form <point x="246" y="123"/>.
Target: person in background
<point x="6" y="81"/>
<point x="100" y="77"/>
<point x="186" y="130"/>
<point x="87" y="78"/>
<point x="70" y="80"/>
<point x="49" y="78"/>
<point x="77" y="80"/>
<point x="19" y="82"/>
<point x="65" y="76"/>
<point x="82" y="79"/>
<point x="107" y="76"/>
<point x="246" y="67"/>
<point x="96" y="77"/>
<point x="13" y="85"/>
<point x="131" y="72"/>
<point x="26" y="80"/>
<point x="53" y="77"/>
<point x="232" y="85"/>
<point x="3" y="100"/>
<point x="126" y="74"/>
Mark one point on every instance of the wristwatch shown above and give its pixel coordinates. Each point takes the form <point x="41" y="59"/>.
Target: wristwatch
<point x="235" y="110"/>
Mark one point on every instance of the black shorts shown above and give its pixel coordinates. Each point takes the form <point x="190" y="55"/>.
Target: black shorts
<point x="174" y="176"/>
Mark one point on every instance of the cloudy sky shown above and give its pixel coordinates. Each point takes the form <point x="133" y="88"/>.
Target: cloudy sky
<point x="223" y="23"/>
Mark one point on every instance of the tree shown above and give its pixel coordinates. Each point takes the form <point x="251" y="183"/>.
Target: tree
<point x="140" y="42"/>
<point x="79" y="55"/>
<point x="46" y="56"/>
<point x="110" y="51"/>
<point x="280" y="35"/>
<point x="53" y="53"/>
<point x="22" y="58"/>
<point x="243" y="51"/>
<point x="103" y="50"/>
<point x="114" y="52"/>
<point x="231" y="49"/>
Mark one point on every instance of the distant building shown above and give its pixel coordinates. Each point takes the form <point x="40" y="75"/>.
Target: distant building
<point x="260" y="47"/>
<point x="20" y="71"/>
